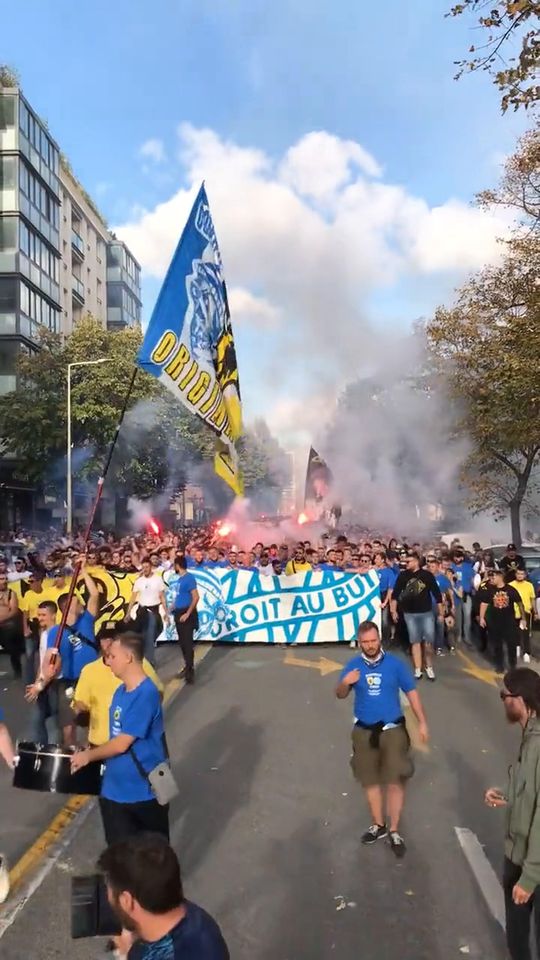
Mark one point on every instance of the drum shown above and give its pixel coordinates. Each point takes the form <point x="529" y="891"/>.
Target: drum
<point x="46" y="767"/>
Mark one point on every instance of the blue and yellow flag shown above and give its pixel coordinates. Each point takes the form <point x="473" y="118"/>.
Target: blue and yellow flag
<point x="189" y="343"/>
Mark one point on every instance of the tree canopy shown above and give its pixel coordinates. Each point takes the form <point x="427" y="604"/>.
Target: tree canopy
<point x="499" y="23"/>
<point x="160" y="443"/>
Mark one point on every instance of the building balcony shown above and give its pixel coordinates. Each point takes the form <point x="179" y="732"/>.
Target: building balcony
<point x="77" y="289"/>
<point x="77" y="244"/>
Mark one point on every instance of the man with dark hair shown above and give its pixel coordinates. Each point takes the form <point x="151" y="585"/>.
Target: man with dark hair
<point x="415" y="590"/>
<point x="511" y="562"/>
<point x="135" y="748"/>
<point x="520" y="695"/>
<point x="148" y="593"/>
<point x="497" y="614"/>
<point x="381" y="746"/>
<point x="61" y="668"/>
<point x="144" y="888"/>
<point x="184" y="611"/>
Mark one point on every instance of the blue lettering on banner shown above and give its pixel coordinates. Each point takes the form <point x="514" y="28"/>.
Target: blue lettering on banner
<point x="315" y="607"/>
<point x="239" y="606"/>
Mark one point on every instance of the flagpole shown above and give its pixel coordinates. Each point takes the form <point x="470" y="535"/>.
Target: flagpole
<point x="97" y="498"/>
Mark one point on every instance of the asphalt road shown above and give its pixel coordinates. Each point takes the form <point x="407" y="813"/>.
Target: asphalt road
<point x="268" y="821"/>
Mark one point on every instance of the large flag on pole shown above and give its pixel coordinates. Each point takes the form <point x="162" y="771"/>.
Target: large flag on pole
<point x="189" y="344"/>
<point x="318" y="479"/>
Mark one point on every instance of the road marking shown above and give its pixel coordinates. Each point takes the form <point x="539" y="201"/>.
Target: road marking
<point x="13" y="907"/>
<point x="323" y="665"/>
<point x="484" y="873"/>
<point x="475" y="670"/>
<point x="68" y="818"/>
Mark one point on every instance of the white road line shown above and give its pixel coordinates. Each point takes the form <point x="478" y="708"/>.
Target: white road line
<point x="14" y="907"/>
<point x="484" y="873"/>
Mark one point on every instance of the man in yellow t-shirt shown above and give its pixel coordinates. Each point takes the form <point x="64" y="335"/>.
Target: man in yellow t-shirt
<point x="527" y="593"/>
<point x="299" y="563"/>
<point x="95" y="688"/>
<point x="58" y="586"/>
<point x="28" y="604"/>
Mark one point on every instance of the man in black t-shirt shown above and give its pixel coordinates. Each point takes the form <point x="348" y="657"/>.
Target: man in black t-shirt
<point x="511" y="562"/>
<point x="497" y="615"/>
<point x="415" y="590"/>
<point x="144" y="888"/>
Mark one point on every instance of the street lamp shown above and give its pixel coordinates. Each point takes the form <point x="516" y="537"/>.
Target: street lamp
<point x="78" y="363"/>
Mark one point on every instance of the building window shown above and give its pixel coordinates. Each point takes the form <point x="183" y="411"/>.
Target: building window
<point x="24" y="118"/>
<point x="8" y="183"/>
<point x="37" y="308"/>
<point x="8" y="294"/>
<point x="8" y="360"/>
<point x="8" y="235"/>
<point x="7" y="112"/>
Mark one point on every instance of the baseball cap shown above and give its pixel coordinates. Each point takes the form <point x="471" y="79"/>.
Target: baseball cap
<point x="511" y="546"/>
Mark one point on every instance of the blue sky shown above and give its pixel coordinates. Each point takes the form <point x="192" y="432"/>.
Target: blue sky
<point x="109" y="77"/>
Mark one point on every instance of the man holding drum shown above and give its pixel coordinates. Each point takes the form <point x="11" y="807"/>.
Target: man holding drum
<point x="135" y="752"/>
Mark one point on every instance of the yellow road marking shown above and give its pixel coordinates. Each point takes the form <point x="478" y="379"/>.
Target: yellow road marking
<point x="39" y="849"/>
<point x="323" y="665"/>
<point x="479" y="673"/>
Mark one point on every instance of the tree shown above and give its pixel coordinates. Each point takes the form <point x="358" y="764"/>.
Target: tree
<point x="519" y="189"/>
<point x="161" y="444"/>
<point x="488" y="347"/>
<point x="264" y="465"/>
<point x="500" y="22"/>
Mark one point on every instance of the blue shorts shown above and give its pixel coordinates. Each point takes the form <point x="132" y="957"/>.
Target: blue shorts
<point x="420" y="627"/>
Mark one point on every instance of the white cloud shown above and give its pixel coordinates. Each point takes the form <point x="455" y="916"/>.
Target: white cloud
<point x="308" y="239"/>
<point x="255" y="311"/>
<point x="320" y="164"/>
<point x="153" y="150"/>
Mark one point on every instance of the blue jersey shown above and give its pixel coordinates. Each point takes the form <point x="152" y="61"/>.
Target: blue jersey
<point x="376" y="694"/>
<point x="77" y="646"/>
<point x="138" y="713"/>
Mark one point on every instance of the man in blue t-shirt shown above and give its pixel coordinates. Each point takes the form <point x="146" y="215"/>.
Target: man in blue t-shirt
<point x="144" y="887"/>
<point x="463" y="570"/>
<point x="62" y="664"/>
<point x="136" y="747"/>
<point x="184" y="611"/>
<point x="381" y="747"/>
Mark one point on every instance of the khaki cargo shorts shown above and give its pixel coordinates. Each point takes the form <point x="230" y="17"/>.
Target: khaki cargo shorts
<point x="390" y="762"/>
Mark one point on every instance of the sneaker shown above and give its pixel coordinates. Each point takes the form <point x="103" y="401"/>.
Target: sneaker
<point x="375" y="832"/>
<point x="398" y="844"/>
<point x="4" y="879"/>
<point x="430" y="673"/>
<point x="190" y="676"/>
<point x="440" y="653"/>
<point x="452" y="650"/>
<point x="353" y="644"/>
<point x="526" y="658"/>
<point x="418" y="674"/>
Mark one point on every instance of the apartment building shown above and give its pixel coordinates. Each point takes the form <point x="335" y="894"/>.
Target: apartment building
<point x="58" y="260"/>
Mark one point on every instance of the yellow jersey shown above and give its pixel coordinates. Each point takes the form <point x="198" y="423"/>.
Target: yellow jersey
<point x="30" y="602"/>
<point x="294" y="566"/>
<point x="95" y="688"/>
<point x="527" y="594"/>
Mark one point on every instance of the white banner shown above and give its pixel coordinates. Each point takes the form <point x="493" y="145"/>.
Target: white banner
<point x="238" y="606"/>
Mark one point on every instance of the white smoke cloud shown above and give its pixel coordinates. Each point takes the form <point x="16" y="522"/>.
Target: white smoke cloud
<point x="308" y="240"/>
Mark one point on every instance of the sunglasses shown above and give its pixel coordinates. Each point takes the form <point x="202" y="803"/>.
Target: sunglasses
<point x="365" y="559"/>
<point x="507" y="696"/>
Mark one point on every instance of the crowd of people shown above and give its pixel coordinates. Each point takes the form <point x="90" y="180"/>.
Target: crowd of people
<point x="98" y="690"/>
